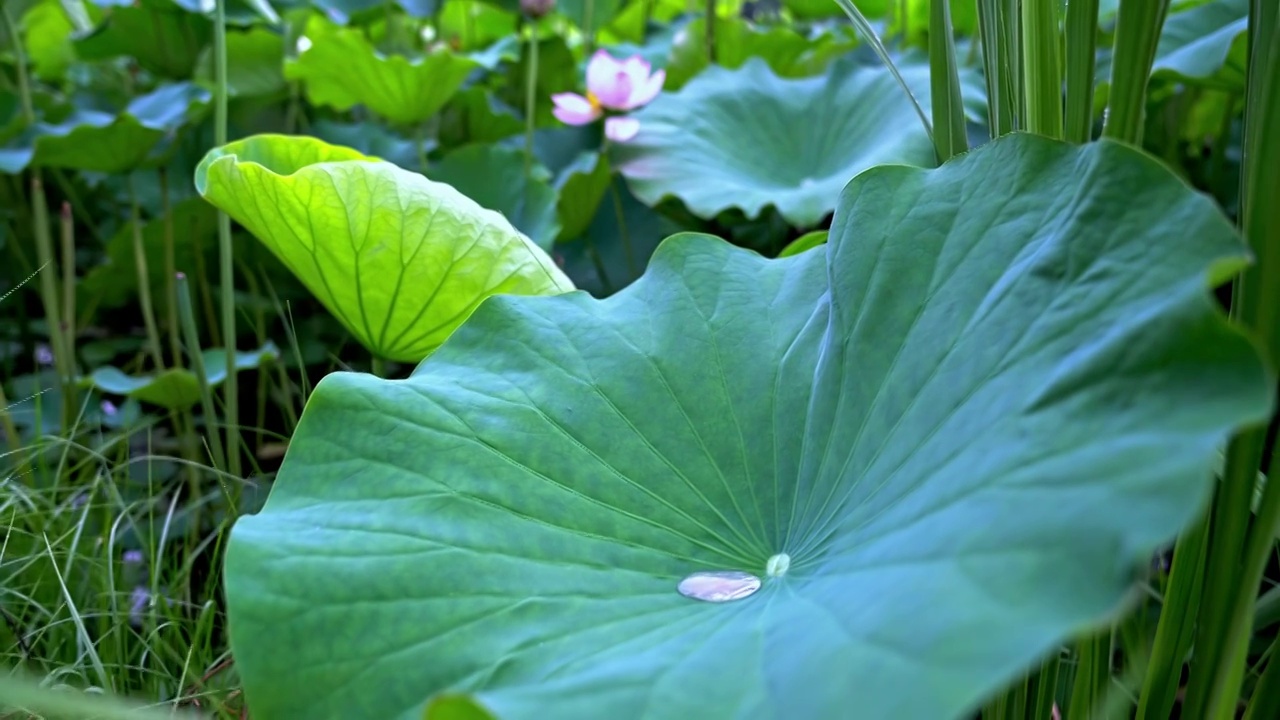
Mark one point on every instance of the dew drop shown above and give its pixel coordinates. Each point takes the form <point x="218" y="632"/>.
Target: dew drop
<point x="719" y="586"/>
<point x="778" y="565"/>
<point x="807" y="183"/>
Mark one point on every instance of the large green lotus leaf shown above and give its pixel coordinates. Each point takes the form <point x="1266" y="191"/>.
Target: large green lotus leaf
<point x="47" y="31"/>
<point x="341" y="69"/>
<point x="787" y="52"/>
<point x="494" y="177"/>
<point x="728" y="138"/>
<point x="102" y="142"/>
<point x="967" y="421"/>
<point x="400" y="260"/>
<point x="164" y="40"/>
<point x="177" y="388"/>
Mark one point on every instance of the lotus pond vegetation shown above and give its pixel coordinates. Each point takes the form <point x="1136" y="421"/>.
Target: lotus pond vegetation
<point x="513" y="359"/>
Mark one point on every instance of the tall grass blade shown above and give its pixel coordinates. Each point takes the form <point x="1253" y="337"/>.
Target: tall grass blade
<point x="197" y="366"/>
<point x="949" y="138"/>
<point x="1138" y="26"/>
<point x="868" y="33"/>
<point x="1042" y="81"/>
<point x="1176" y="627"/>
<point x="226" y="258"/>
<point x="1265" y="703"/>
<point x="1257" y="295"/>
<point x="998" y="66"/>
<point x="1082" y="47"/>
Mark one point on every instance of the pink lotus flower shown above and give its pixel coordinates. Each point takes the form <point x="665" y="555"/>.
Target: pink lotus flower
<point x="612" y="85"/>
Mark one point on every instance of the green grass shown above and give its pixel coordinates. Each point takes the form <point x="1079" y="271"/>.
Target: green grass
<point x="108" y="572"/>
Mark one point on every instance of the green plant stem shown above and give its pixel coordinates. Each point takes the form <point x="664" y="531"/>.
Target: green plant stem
<point x="632" y="267"/>
<point x="588" y="29"/>
<point x="192" y="336"/>
<point x="948" y="105"/>
<point x="20" y="61"/>
<point x="709" y="21"/>
<point x="1257" y="297"/>
<point x="144" y="280"/>
<point x="63" y="362"/>
<point x="378" y="366"/>
<point x="1265" y="702"/>
<point x="68" y="234"/>
<point x="1043" y="79"/>
<point x="1138" y="26"/>
<point x="170" y="274"/>
<point x="530" y="100"/>
<point x="230" y="385"/>
<point x="868" y="33"/>
<point x="1081" y="49"/>
<point x="998" y="66"/>
<point x="12" y="439"/>
<point x="50" y="297"/>
<point x="1047" y="686"/>
<point x="1092" y="673"/>
<point x="1176" y="627"/>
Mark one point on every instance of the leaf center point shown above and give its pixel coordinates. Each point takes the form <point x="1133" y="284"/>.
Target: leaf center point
<point x="778" y="565"/>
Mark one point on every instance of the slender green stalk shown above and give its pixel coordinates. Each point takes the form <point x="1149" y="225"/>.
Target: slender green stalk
<point x="998" y="65"/>
<point x="1047" y="687"/>
<point x="1018" y="699"/>
<point x="1138" y="26"/>
<point x="709" y="21"/>
<point x="192" y="336"/>
<point x="63" y="362"/>
<point x="1232" y="514"/>
<point x="378" y="366"/>
<point x="1176" y="627"/>
<point x="20" y="61"/>
<point x="144" y="280"/>
<point x="588" y="26"/>
<point x="230" y="385"/>
<point x="868" y="33"/>
<point x="68" y="279"/>
<point x="530" y="100"/>
<point x="949" y="137"/>
<point x="1265" y="703"/>
<point x="170" y="274"/>
<point x="49" y="295"/>
<point x="632" y="266"/>
<point x="1043" y="80"/>
<point x="1082" y="49"/>
<point x="1092" y="672"/>
<point x="1258" y="297"/>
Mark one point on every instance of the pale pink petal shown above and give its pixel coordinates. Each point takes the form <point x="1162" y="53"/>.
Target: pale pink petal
<point x="602" y="69"/>
<point x="615" y="94"/>
<point x="637" y="70"/>
<point x="647" y="92"/>
<point x="574" y="109"/>
<point x="621" y="129"/>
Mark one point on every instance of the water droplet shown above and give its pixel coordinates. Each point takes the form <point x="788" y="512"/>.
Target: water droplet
<point x="719" y="586"/>
<point x="778" y="565"/>
<point x="807" y="183"/>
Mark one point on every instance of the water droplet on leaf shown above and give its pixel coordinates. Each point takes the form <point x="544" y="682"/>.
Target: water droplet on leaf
<point x="778" y="565"/>
<point x="719" y="586"/>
